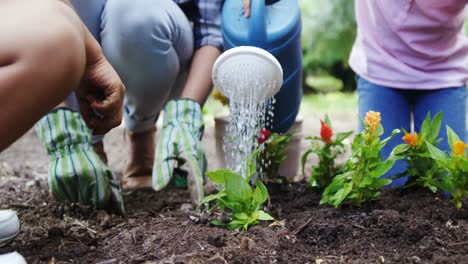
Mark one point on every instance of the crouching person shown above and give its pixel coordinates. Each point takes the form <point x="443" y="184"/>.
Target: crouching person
<point x="46" y="54"/>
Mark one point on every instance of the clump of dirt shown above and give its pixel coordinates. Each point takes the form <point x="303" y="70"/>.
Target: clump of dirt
<point x="403" y="227"/>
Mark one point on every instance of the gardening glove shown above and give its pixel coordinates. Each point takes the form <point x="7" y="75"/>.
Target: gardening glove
<point x="76" y="174"/>
<point x="179" y="152"/>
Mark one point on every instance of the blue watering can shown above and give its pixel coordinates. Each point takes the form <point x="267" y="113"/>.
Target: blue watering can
<point x="275" y="26"/>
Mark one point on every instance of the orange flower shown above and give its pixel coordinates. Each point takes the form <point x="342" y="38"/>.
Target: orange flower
<point x="325" y="132"/>
<point x="411" y="139"/>
<point x="372" y="119"/>
<point x="459" y="148"/>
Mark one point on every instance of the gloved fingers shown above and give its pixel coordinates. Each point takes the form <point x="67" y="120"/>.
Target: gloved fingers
<point x="165" y="157"/>
<point x="193" y="153"/>
<point x="194" y="179"/>
<point x="81" y="177"/>
<point x="117" y="202"/>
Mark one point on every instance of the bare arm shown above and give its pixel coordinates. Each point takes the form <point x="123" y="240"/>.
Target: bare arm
<point x="198" y="85"/>
<point x="101" y="91"/>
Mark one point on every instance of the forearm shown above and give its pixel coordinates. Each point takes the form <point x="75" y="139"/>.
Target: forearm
<point x="199" y="84"/>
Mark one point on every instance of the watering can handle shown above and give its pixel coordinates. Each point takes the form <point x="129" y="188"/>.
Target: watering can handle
<point x="256" y="23"/>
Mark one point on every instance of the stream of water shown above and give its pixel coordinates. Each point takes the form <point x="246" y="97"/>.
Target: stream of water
<point x="250" y="111"/>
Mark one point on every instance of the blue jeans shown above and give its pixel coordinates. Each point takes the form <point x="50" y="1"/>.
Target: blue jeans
<point x="149" y="43"/>
<point x="396" y="106"/>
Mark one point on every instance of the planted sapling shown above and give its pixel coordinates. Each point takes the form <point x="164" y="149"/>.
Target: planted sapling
<point x="361" y="179"/>
<point x="455" y="164"/>
<point x="327" y="149"/>
<point x="238" y="199"/>
<point x="271" y="153"/>
<point x="422" y="169"/>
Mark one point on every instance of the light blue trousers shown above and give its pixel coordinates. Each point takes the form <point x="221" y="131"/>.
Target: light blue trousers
<point x="396" y="106"/>
<point x="149" y="43"/>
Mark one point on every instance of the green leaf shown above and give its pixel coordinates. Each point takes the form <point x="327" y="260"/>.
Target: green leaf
<point x="240" y="216"/>
<point x="341" y="194"/>
<point x="264" y="216"/>
<point x="379" y="183"/>
<point x="238" y="189"/>
<point x="452" y="137"/>
<point x="220" y="176"/>
<point x="263" y="190"/>
<point x="399" y="151"/>
<point x="233" y="205"/>
<point x="217" y="223"/>
<point x="434" y="127"/>
<point x="382" y="168"/>
<point x="257" y="197"/>
<point x="438" y="155"/>
<point x="432" y="188"/>
<point x="304" y="159"/>
<point x="212" y="197"/>
<point x="250" y="168"/>
<point x="341" y="136"/>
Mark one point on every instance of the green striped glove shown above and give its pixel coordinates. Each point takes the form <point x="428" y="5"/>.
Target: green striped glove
<point x="76" y="174"/>
<point x="178" y="150"/>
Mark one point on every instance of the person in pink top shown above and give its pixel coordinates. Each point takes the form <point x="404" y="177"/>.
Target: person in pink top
<point x="411" y="57"/>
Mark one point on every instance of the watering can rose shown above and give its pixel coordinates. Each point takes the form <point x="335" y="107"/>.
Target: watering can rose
<point x="411" y="139"/>
<point x="325" y="132"/>
<point x="372" y="119"/>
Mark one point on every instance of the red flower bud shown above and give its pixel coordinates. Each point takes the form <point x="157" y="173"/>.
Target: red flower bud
<point x="326" y="132"/>
<point x="263" y="135"/>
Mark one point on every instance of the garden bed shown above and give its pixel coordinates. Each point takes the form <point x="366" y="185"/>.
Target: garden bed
<point x="404" y="227"/>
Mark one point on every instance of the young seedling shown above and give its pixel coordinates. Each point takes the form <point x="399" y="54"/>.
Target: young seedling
<point x="271" y="152"/>
<point x="238" y="199"/>
<point x="361" y="179"/>
<point x="422" y="169"/>
<point x="327" y="149"/>
<point x="456" y="166"/>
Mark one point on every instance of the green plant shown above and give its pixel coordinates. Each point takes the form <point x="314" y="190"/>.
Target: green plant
<point x="272" y="152"/>
<point x="236" y="197"/>
<point x="422" y="169"/>
<point x="327" y="150"/>
<point x="456" y="166"/>
<point x="361" y="180"/>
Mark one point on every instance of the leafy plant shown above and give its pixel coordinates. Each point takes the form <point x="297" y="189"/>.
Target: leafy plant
<point x="422" y="169"/>
<point x="456" y="166"/>
<point x="361" y="179"/>
<point x="272" y="152"/>
<point x="241" y="201"/>
<point x="327" y="150"/>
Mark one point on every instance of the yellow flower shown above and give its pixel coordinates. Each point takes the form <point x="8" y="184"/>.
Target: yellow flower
<point x="372" y="120"/>
<point x="459" y="148"/>
<point x="411" y="139"/>
<point x="220" y="97"/>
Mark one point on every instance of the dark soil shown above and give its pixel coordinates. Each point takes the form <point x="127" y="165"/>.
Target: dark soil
<point x="404" y="227"/>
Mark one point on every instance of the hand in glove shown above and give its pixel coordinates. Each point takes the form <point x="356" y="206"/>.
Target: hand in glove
<point x="76" y="174"/>
<point x="178" y="150"/>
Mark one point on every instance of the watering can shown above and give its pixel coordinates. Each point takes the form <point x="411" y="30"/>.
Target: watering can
<point x="275" y="26"/>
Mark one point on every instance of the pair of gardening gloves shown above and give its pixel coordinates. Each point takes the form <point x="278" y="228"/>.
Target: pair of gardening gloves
<point x="76" y="173"/>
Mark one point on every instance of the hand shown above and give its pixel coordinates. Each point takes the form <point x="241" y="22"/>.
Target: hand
<point x="246" y="8"/>
<point x="100" y="96"/>
<point x="76" y="174"/>
<point x="179" y="153"/>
